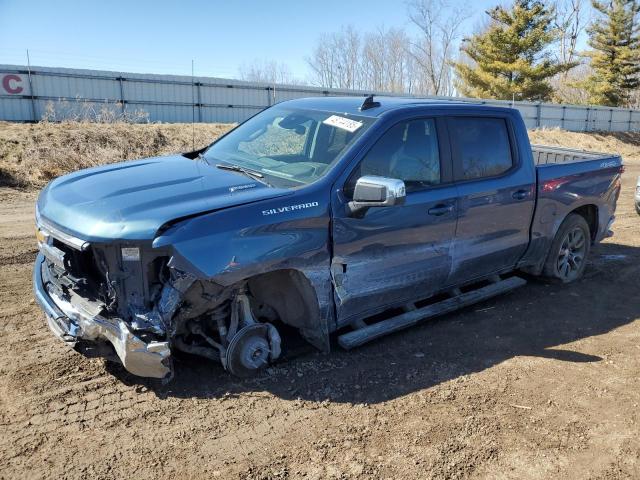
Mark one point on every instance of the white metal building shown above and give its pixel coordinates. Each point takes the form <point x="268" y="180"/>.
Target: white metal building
<point x="27" y="94"/>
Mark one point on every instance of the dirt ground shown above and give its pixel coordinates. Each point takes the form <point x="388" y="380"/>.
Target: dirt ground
<point x="541" y="383"/>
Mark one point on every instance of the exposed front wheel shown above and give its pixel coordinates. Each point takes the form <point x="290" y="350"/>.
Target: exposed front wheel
<point x="568" y="253"/>
<point x="251" y="349"/>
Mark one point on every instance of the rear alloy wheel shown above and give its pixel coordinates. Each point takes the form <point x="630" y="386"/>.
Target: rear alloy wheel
<point x="569" y="250"/>
<point x="571" y="254"/>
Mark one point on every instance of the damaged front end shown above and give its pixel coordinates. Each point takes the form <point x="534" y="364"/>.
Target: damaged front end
<point x="128" y="303"/>
<point x="83" y="327"/>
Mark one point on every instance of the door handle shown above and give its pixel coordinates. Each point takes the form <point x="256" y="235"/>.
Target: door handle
<point x="440" y="209"/>
<point x="520" y="194"/>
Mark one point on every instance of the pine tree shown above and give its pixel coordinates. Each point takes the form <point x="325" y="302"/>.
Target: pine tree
<point x="615" y="59"/>
<point x="510" y="59"/>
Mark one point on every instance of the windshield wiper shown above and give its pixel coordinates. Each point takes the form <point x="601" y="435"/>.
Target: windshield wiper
<point x="249" y="173"/>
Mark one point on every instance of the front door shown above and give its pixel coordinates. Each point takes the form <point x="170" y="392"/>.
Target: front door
<point x="392" y="255"/>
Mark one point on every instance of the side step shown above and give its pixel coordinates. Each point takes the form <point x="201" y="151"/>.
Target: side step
<point x="371" y="332"/>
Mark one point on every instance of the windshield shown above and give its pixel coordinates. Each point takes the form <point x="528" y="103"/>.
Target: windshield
<point x="289" y="147"/>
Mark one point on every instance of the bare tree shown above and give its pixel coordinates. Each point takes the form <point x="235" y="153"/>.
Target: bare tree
<point x="376" y="61"/>
<point x="439" y="25"/>
<point x="323" y="63"/>
<point x="348" y="45"/>
<point x="570" y="22"/>
<point x="398" y="61"/>
<point x="267" y="71"/>
<point x="385" y="61"/>
<point x="566" y="87"/>
<point x="571" y="18"/>
<point x="335" y="62"/>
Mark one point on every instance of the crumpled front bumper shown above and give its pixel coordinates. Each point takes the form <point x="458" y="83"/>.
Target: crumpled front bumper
<point x="73" y="325"/>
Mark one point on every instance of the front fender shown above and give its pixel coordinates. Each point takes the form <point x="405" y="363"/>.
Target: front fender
<point x="238" y="243"/>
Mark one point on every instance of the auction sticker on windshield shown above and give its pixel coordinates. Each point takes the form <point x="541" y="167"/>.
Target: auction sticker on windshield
<point x="343" y="123"/>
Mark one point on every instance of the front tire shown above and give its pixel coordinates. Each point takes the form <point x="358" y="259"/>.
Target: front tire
<point x="569" y="250"/>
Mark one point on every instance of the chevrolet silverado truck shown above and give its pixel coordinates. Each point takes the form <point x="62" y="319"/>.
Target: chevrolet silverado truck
<point x="318" y="216"/>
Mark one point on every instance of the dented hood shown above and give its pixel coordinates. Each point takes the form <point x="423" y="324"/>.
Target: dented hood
<point x="131" y="200"/>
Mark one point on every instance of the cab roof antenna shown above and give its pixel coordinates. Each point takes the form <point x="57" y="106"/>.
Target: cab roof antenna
<point x="369" y="103"/>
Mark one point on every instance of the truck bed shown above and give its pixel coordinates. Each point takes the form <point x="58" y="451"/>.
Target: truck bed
<point x="544" y="155"/>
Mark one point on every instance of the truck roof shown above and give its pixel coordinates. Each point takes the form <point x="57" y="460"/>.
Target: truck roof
<point x="352" y="104"/>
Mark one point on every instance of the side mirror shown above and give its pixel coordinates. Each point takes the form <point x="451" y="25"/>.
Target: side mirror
<point x="372" y="191"/>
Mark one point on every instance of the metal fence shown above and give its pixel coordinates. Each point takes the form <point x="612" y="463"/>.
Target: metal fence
<point x="27" y="94"/>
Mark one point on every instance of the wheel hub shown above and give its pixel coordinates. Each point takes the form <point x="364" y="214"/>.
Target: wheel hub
<point x="571" y="254"/>
<point x="255" y="353"/>
<point x="251" y="349"/>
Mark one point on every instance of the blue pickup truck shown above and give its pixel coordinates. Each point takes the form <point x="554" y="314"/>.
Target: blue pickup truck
<point x="316" y="216"/>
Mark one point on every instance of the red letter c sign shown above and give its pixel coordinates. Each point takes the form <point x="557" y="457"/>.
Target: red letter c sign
<point x="11" y="84"/>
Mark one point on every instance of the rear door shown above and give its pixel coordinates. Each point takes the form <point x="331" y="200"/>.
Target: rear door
<point x="394" y="254"/>
<point x="496" y="194"/>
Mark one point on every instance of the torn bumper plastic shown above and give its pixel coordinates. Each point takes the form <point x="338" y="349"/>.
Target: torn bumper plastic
<point x="73" y="325"/>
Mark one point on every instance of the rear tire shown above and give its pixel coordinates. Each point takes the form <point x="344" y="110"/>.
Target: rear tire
<point x="567" y="257"/>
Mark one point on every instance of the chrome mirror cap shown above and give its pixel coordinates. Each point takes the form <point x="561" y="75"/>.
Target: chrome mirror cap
<point x="373" y="191"/>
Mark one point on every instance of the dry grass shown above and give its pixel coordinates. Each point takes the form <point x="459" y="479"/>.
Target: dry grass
<point x="626" y="144"/>
<point x="31" y="155"/>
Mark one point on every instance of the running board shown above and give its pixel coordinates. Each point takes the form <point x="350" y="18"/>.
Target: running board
<point x="405" y="320"/>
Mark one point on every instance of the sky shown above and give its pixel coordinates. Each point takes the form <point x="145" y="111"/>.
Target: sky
<point x="165" y="36"/>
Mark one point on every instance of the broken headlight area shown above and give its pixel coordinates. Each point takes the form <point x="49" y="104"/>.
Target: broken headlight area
<point x="128" y="303"/>
<point x="87" y="295"/>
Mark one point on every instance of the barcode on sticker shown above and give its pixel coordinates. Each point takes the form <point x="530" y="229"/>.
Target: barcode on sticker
<point x="343" y="123"/>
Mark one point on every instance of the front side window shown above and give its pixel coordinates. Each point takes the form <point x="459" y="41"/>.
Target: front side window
<point x="482" y="146"/>
<point x="289" y="147"/>
<point x="407" y="151"/>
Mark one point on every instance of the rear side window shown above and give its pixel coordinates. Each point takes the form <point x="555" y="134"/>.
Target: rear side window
<point x="482" y="146"/>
